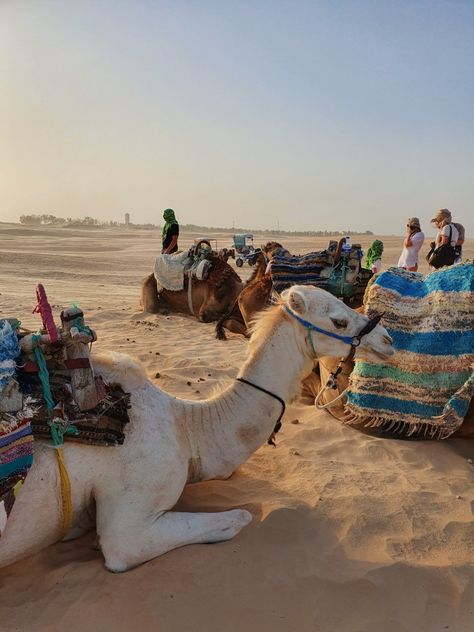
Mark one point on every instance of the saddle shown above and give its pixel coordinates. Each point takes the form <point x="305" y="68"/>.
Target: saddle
<point x="172" y="271"/>
<point x="48" y="390"/>
<point x="53" y="381"/>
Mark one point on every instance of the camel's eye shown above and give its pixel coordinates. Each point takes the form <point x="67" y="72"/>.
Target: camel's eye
<point x="339" y="323"/>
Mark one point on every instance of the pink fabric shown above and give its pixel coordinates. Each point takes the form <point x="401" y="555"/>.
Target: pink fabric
<point x="44" y="309"/>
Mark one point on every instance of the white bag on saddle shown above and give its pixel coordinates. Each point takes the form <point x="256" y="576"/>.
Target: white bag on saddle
<point x="169" y="271"/>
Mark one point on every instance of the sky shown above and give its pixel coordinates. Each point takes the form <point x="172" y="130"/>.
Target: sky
<point x="302" y="115"/>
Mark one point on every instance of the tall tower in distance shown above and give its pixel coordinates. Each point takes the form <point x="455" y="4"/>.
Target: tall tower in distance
<point x="127" y="219"/>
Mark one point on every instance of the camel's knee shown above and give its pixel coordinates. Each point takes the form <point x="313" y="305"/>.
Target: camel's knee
<point x="208" y="314"/>
<point x="116" y="565"/>
<point x="117" y="558"/>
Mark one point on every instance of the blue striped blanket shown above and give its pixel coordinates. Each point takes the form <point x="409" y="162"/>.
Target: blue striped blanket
<point x="426" y="388"/>
<point x="300" y="270"/>
<point x="345" y="279"/>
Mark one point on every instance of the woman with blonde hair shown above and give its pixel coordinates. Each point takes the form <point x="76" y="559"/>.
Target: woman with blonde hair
<point x="411" y="245"/>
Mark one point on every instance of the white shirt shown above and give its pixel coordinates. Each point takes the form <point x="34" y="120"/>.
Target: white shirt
<point x="409" y="256"/>
<point x="444" y="232"/>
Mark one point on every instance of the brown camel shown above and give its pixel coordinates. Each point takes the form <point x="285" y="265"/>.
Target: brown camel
<point x="253" y="298"/>
<point x="226" y="253"/>
<point x="210" y="298"/>
<point x="257" y="294"/>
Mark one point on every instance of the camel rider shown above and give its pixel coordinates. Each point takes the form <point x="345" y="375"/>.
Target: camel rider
<point x="170" y="232"/>
<point x="374" y="256"/>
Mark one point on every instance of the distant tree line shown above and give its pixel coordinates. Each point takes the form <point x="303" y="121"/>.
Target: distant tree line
<point x="45" y="219"/>
<point x="271" y="231"/>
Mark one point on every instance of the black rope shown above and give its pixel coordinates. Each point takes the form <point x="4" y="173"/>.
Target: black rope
<point x="283" y="406"/>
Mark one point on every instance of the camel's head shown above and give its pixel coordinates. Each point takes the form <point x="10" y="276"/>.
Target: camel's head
<point x="327" y="312"/>
<point x="272" y="247"/>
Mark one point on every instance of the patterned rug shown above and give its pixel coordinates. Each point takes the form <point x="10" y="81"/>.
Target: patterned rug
<point x="16" y="458"/>
<point x="300" y="270"/>
<point x="426" y="388"/>
<point x="318" y="269"/>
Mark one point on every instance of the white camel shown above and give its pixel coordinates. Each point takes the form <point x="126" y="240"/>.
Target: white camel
<point x="129" y="491"/>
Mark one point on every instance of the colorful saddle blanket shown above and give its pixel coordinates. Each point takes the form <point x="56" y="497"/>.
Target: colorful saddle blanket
<point x="426" y="387"/>
<point x="300" y="270"/>
<point x="24" y="414"/>
<point x="16" y="458"/>
<point x="319" y="269"/>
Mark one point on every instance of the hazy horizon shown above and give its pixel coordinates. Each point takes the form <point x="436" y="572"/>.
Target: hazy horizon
<point x="305" y="115"/>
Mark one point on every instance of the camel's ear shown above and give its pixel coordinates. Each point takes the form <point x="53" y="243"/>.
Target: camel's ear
<point x="296" y="300"/>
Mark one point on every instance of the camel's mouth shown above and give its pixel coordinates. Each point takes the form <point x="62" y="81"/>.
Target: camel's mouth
<point x="383" y="355"/>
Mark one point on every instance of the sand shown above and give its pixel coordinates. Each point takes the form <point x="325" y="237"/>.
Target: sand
<point x="350" y="532"/>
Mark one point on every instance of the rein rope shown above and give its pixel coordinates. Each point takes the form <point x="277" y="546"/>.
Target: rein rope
<point x="271" y="439"/>
<point x="190" y="294"/>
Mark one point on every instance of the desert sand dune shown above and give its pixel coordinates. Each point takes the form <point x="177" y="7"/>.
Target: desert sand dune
<point x="351" y="533"/>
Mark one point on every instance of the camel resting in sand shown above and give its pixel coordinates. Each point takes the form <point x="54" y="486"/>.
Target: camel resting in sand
<point x="129" y="492"/>
<point x="209" y="299"/>
<point x="254" y="296"/>
<point x="257" y="292"/>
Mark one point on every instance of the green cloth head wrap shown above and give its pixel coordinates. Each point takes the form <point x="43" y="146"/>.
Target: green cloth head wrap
<point x="374" y="253"/>
<point x="170" y="219"/>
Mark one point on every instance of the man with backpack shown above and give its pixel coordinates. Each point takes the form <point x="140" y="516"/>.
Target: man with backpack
<point x="443" y="251"/>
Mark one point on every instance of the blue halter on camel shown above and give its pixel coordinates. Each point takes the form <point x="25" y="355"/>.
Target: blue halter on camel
<point x="353" y="341"/>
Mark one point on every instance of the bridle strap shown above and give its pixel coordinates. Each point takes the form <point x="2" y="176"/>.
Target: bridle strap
<point x="347" y="339"/>
<point x="353" y="341"/>
<point x="279" y="399"/>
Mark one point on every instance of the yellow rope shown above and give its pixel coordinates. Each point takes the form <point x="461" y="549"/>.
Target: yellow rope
<point x="66" y="496"/>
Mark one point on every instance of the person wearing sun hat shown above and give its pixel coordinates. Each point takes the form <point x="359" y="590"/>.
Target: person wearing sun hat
<point x="447" y="231"/>
<point x="443" y="249"/>
<point x="411" y="245"/>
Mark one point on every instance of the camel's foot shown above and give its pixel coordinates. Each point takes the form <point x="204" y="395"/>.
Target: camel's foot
<point x="123" y="550"/>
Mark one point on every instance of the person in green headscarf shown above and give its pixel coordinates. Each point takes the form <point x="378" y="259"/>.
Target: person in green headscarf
<point x="170" y="232"/>
<point x="373" y="260"/>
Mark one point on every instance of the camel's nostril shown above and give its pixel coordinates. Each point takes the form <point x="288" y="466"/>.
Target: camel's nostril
<point x="387" y="340"/>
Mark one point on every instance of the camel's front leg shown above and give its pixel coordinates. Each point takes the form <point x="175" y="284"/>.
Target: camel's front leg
<point x="125" y="547"/>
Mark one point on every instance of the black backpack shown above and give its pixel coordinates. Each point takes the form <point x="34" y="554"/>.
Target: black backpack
<point x="444" y="255"/>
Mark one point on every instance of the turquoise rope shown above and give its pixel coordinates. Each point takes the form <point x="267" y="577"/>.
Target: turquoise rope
<point x="57" y="430"/>
<point x="79" y="323"/>
<point x="43" y="374"/>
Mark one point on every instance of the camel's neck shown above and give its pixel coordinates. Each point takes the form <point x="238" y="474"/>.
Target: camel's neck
<point x="225" y="431"/>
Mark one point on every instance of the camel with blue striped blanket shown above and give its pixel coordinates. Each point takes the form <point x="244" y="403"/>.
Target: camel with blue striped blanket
<point x="426" y="388"/>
